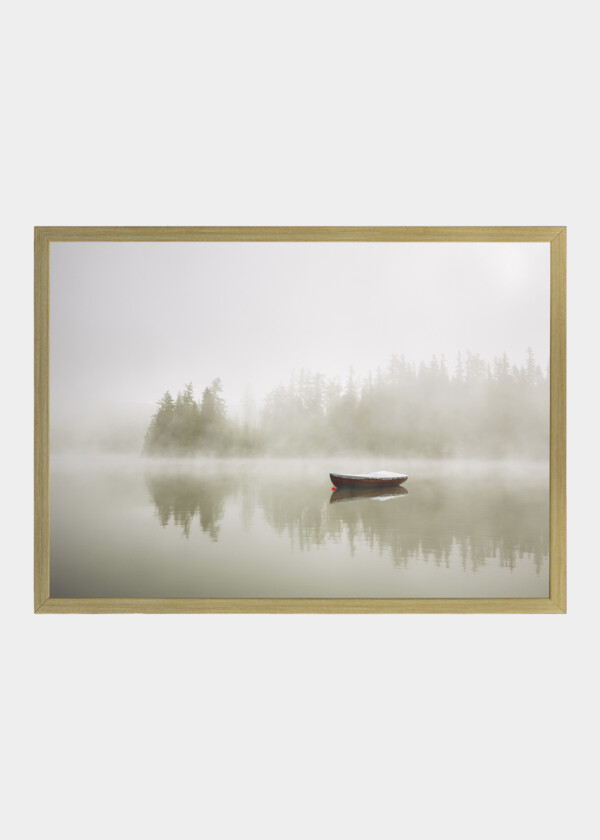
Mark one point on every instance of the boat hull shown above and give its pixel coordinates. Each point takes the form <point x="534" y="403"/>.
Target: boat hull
<point x="342" y="481"/>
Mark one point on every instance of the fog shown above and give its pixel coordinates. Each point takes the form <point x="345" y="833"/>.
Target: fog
<point x="210" y="358"/>
<point x="130" y="321"/>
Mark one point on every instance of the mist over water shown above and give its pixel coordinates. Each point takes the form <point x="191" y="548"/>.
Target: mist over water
<point x="246" y="372"/>
<point x="178" y="521"/>
<point x="127" y="527"/>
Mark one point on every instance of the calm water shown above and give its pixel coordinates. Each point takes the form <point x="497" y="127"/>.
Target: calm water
<point x="223" y="528"/>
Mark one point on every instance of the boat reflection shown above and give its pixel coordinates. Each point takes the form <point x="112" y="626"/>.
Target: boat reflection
<point x="381" y="494"/>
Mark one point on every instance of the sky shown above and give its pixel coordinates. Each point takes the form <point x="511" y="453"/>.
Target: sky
<point x="130" y="320"/>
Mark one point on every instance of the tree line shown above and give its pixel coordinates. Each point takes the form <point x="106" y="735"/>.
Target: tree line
<point x="181" y="426"/>
<point x="477" y="410"/>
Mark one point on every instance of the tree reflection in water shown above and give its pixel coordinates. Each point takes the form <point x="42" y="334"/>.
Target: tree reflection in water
<point x="472" y="523"/>
<point x="183" y="497"/>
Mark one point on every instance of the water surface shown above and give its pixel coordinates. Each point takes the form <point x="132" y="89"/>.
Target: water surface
<point x="133" y="527"/>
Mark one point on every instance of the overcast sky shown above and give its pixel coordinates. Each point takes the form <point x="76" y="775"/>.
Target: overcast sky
<point x="131" y="320"/>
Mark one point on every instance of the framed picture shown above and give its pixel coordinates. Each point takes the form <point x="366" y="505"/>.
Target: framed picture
<point x="300" y="419"/>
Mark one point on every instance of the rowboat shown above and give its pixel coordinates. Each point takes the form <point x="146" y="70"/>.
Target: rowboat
<point x="379" y="494"/>
<point x="382" y="478"/>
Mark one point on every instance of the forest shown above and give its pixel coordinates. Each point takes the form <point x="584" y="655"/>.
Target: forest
<point x="476" y="410"/>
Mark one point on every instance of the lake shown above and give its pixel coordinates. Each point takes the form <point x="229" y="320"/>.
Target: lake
<point x="135" y="527"/>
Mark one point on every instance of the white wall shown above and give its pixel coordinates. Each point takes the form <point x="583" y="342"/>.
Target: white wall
<point x="299" y="726"/>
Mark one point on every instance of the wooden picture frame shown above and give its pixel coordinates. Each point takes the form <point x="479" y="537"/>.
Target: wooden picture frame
<point x="555" y="603"/>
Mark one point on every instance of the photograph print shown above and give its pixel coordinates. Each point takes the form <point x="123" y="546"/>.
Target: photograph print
<point x="299" y="419"/>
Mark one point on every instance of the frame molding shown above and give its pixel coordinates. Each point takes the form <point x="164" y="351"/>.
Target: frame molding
<point x="555" y="603"/>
